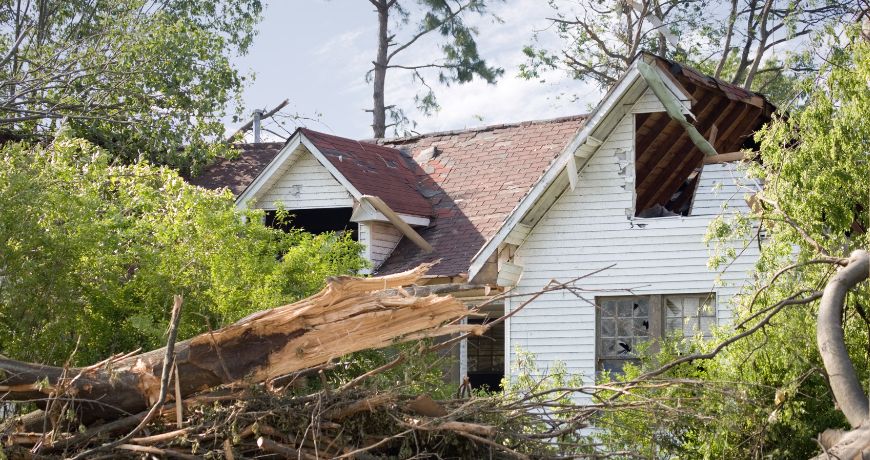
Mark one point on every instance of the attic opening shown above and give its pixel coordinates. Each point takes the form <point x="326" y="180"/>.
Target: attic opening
<point x="667" y="167"/>
<point x="315" y="221"/>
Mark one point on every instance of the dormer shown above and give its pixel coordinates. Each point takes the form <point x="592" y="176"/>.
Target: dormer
<point x="329" y="183"/>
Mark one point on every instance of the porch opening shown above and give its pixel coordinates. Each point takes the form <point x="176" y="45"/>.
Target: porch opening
<point x="316" y="221"/>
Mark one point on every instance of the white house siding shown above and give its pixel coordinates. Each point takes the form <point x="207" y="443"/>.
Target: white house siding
<point x="384" y="238"/>
<point x="647" y="102"/>
<point x="587" y="229"/>
<point x="305" y="185"/>
<point x="722" y="187"/>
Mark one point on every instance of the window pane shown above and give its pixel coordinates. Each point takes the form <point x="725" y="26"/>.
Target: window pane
<point x="690" y="306"/>
<point x="625" y="308"/>
<point x="709" y="307"/>
<point x="642" y="307"/>
<point x="608" y="327"/>
<point x="673" y="310"/>
<point x="674" y="324"/>
<point x="624" y="327"/>
<point x="707" y="326"/>
<point x="641" y="327"/>
<point x="608" y="308"/>
<point x="690" y="326"/>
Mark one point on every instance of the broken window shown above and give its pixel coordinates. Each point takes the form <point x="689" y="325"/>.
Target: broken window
<point x="486" y="357"/>
<point x="626" y="323"/>
<point x="315" y="220"/>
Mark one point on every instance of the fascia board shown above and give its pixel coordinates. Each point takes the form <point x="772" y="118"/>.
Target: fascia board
<point x="556" y="168"/>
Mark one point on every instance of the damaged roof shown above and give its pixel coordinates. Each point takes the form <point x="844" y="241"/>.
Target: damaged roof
<point x="474" y="178"/>
<point x="472" y="182"/>
<point x="238" y="172"/>
<point x="374" y="170"/>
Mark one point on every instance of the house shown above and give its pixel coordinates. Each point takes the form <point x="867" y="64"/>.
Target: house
<point x="632" y="186"/>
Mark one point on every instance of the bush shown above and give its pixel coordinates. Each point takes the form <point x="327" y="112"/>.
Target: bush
<point x="92" y="252"/>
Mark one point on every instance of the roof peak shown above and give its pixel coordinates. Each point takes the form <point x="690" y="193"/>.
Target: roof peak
<point x="402" y="139"/>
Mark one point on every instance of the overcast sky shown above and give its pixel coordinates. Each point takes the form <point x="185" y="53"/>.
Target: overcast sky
<point x="317" y="52"/>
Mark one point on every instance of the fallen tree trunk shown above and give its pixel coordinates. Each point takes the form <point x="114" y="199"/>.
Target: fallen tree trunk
<point x="847" y="389"/>
<point x="349" y="315"/>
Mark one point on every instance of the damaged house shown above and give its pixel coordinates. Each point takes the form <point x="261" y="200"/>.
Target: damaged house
<point x="634" y="185"/>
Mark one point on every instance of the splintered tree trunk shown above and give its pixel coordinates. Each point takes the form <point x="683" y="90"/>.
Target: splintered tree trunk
<point x="349" y="315"/>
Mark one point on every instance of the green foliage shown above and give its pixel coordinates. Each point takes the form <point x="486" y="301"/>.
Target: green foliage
<point x="457" y="60"/>
<point x="144" y="79"/>
<point x="767" y="395"/>
<point x="92" y="252"/>
<point x="599" y="39"/>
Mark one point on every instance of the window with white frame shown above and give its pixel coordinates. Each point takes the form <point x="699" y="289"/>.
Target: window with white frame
<point x="625" y="323"/>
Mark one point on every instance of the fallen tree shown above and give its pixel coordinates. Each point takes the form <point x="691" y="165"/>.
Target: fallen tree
<point x="350" y="314"/>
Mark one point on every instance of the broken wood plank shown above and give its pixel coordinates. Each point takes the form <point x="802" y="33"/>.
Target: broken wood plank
<point x="350" y="314"/>
<point x="725" y="158"/>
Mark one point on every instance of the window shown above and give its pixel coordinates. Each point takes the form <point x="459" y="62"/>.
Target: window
<point x="315" y="221"/>
<point x="486" y="357"/>
<point x="624" y="323"/>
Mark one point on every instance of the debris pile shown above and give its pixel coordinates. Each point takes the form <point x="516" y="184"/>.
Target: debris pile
<point x="259" y="388"/>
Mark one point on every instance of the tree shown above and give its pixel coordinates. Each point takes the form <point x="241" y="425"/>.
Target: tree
<point x="92" y="252"/>
<point x="758" y="44"/>
<point x="144" y="79"/>
<point x="780" y="375"/>
<point x="459" y="62"/>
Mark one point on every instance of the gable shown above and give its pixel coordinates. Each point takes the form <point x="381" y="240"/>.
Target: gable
<point x="304" y="184"/>
<point x="669" y="145"/>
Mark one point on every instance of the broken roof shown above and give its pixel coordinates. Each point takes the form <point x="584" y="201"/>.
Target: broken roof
<point x="474" y="178"/>
<point x="662" y="158"/>
<point x="475" y="183"/>
<point x="238" y="172"/>
<point x="374" y="170"/>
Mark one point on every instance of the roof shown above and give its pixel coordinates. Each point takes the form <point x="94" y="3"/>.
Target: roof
<point x="477" y="184"/>
<point x="662" y="157"/>
<point x="473" y="179"/>
<point x="375" y="170"/>
<point x="238" y="172"/>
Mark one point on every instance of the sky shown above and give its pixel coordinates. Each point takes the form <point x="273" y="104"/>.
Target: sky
<point x="316" y="54"/>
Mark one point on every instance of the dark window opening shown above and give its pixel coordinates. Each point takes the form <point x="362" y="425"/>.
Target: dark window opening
<point x="486" y="357"/>
<point x="316" y="221"/>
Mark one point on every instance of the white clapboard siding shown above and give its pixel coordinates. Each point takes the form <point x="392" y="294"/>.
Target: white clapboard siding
<point x="305" y="185"/>
<point x="384" y="238"/>
<point x="647" y="103"/>
<point x="587" y="229"/>
<point x="722" y="187"/>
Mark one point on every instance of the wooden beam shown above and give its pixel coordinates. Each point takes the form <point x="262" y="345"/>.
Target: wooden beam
<point x="397" y="222"/>
<point x="678" y="153"/>
<point x="725" y="158"/>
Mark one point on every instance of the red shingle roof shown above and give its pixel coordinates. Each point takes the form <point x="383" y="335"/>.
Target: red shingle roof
<point x="237" y="173"/>
<point x="473" y="180"/>
<point x="374" y="170"/>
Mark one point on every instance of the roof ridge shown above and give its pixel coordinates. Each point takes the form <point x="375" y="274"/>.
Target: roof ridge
<point x="484" y="128"/>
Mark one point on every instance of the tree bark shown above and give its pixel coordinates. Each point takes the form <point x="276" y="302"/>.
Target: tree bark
<point x="845" y="385"/>
<point x="349" y="315"/>
<point x="379" y="110"/>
